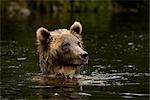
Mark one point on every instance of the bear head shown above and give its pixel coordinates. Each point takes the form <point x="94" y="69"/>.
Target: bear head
<point x="62" y="46"/>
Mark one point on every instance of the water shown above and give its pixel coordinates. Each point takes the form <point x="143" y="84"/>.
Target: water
<point x="118" y="47"/>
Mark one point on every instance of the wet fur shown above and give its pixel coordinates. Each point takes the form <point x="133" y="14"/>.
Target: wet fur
<point x="50" y="55"/>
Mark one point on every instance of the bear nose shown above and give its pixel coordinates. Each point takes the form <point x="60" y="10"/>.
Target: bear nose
<point x="84" y="55"/>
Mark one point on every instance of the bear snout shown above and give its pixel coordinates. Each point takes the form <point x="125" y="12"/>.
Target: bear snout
<point x="84" y="55"/>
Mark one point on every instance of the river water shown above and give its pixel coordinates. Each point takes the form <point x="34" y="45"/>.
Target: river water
<point x="118" y="47"/>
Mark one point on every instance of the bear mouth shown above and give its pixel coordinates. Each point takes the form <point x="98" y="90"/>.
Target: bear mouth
<point x="80" y="62"/>
<point x="73" y="62"/>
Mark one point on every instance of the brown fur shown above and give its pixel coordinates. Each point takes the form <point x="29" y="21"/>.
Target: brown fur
<point x="61" y="50"/>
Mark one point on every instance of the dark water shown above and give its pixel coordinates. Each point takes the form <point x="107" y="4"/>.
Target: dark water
<point x="118" y="46"/>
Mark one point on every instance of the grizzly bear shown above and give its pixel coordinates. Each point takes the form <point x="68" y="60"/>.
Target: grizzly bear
<point x="61" y="51"/>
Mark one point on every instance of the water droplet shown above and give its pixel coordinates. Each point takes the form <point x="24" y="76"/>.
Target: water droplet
<point x="21" y="58"/>
<point x="13" y="67"/>
<point x="19" y="75"/>
<point x="20" y="85"/>
<point x="84" y="72"/>
<point x="111" y="36"/>
<point x="114" y="71"/>
<point x="38" y="86"/>
<point x="102" y="47"/>
<point x="83" y="94"/>
<point x="118" y="60"/>
<point x="97" y="59"/>
<point x="56" y="94"/>
<point x="134" y="94"/>
<point x="130" y="66"/>
<point x="130" y="43"/>
<point x="99" y="66"/>
<point x="136" y="49"/>
<point x="140" y="46"/>
<point x="141" y="36"/>
<point x="127" y="97"/>
<point x="109" y="65"/>
<point x="125" y="36"/>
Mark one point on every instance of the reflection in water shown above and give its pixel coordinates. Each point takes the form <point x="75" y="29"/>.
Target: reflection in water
<point x="57" y="89"/>
<point x="52" y="88"/>
<point x="59" y="93"/>
<point x="118" y="51"/>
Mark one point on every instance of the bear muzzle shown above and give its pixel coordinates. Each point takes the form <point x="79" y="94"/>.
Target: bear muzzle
<point x="84" y="58"/>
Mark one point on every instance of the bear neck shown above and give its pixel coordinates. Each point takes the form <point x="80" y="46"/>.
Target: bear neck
<point x="52" y="65"/>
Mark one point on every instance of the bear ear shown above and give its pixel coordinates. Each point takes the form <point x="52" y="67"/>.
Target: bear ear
<point x="42" y="34"/>
<point x="76" y="27"/>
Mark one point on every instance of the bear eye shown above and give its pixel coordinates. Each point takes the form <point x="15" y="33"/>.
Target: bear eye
<point x="65" y="48"/>
<point x="66" y="44"/>
<point x="79" y="44"/>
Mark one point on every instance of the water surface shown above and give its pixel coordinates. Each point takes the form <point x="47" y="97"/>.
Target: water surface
<point x="118" y="49"/>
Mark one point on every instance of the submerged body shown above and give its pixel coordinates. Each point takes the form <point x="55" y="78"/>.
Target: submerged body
<point x="61" y="51"/>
